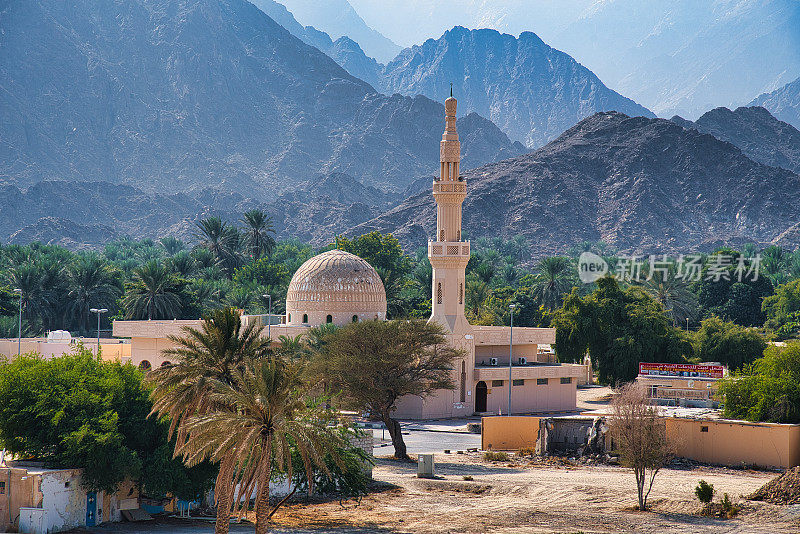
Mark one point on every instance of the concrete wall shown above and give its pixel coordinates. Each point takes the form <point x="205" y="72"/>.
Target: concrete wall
<point x="111" y="349"/>
<point x="509" y="433"/>
<point x="735" y="443"/>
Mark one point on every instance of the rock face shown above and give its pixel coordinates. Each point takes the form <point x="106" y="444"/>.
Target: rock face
<point x="762" y="137"/>
<point x="530" y="90"/>
<point x="643" y="185"/>
<point x="63" y="232"/>
<point x="182" y="95"/>
<point x="784" y="103"/>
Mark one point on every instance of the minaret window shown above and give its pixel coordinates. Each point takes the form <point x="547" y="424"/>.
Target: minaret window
<point x="329" y="319"/>
<point x="463" y="392"/>
<point x="439" y="293"/>
<point x="305" y="318"/>
<point x="461" y="293"/>
<point x="441" y="235"/>
<point x="355" y="318"/>
<point x="458" y="235"/>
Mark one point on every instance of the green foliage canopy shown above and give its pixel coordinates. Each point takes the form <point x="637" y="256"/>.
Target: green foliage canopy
<point x="619" y="328"/>
<point x="727" y="343"/>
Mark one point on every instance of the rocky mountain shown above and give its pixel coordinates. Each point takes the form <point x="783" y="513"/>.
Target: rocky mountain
<point x="182" y="95"/>
<point x="531" y="91"/>
<point x="784" y="103"/>
<point x="642" y="185"/>
<point x="677" y="56"/>
<point x="762" y="137"/>
<point x="338" y="19"/>
<point x="87" y="214"/>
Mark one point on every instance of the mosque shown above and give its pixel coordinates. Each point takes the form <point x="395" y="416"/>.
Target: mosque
<point x="338" y="287"/>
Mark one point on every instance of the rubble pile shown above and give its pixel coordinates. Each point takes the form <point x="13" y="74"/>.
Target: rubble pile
<point x="784" y="489"/>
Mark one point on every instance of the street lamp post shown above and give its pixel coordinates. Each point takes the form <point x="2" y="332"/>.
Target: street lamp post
<point x="687" y="324"/>
<point x="98" y="311"/>
<point x="19" y="327"/>
<point x="269" y="320"/>
<point x="510" y="357"/>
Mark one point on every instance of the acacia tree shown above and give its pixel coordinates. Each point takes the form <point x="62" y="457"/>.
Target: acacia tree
<point x="640" y="437"/>
<point x="372" y="364"/>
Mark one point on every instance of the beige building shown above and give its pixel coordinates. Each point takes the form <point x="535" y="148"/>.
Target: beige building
<point x="337" y="287"/>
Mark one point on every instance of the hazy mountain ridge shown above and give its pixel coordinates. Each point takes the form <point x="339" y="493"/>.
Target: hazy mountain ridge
<point x="784" y="103"/>
<point x="643" y="185"/>
<point x="532" y="91"/>
<point x="184" y="95"/>
<point x="762" y="137"/>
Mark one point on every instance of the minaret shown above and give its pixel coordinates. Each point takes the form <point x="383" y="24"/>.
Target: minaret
<point x="448" y="254"/>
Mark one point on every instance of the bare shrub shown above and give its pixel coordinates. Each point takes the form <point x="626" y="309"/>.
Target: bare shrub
<point x="639" y="436"/>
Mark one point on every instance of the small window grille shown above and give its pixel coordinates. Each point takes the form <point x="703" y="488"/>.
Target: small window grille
<point x="461" y="293"/>
<point x="439" y="293"/>
<point x="703" y="429"/>
<point x="441" y="235"/>
<point x="497" y="383"/>
<point x="566" y="380"/>
<point x="541" y="381"/>
<point x="519" y="382"/>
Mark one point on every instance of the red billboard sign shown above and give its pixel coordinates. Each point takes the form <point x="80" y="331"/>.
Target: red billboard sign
<point x="686" y="370"/>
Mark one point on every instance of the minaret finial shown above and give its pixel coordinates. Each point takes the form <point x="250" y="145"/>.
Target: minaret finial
<point x="451" y="89"/>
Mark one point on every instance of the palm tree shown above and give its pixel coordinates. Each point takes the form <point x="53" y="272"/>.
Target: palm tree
<point x="477" y="291"/>
<point x="484" y="271"/>
<point x="172" y="245"/>
<point x="221" y="239"/>
<point x="552" y="281"/>
<point x="258" y="227"/>
<point x="182" y="263"/>
<point x="423" y="276"/>
<point x="153" y="293"/>
<point x="92" y="282"/>
<point x="213" y="354"/>
<point x="674" y="295"/>
<point x="258" y="419"/>
<point x="37" y="298"/>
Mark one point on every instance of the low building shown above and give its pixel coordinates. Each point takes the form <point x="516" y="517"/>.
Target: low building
<point x="37" y="500"/>
<point x="60" y="342"/>
<point x="680" y="384"/>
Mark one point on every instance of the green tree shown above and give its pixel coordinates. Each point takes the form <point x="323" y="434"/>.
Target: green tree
<point x="93" y="283"/>
<point x="258" y="227"/>
<point x="779" y="307"/>
<point x="674" y="294"/>
<point x="154" y="292"/>
<point x="730" y="295"/>
<point x="619" y="329"/>
<point x="404" y="358"/>
<point x="727" y="343"/>
<point x="221" y="239"/>
<point x="78" y="411"/>
<point x="172" y="245"/>
<point x="768" y="389"/>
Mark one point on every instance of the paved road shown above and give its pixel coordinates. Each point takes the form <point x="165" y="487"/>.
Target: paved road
<point x="419" y="441"/>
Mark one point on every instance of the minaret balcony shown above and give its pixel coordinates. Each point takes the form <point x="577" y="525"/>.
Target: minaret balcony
<point x="449" y="186"/>
<point x="448" y="249"/>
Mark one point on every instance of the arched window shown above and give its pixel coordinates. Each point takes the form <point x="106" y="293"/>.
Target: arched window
<point x="441" y="235"/>
<point x="461" y="293"/>
<point x="145" y="365"/>
<point x="329" y="319"/>
<point x="305" y="318"/>
<point x="458" y="235"/>
<point x="355" y="318"/>
<point x="289" y="318"/>
<point x="463" y="395"/>
<point x="439" y="293"/>
<point x="165" y="364"/>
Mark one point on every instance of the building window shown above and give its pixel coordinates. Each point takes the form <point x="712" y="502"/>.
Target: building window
<point x="441" y="235"/>
<point x="458" y="235"/>
<point x="145" y="365"/>
<point x="541" y="381"/>
<point x="329" y="319"/>
<point x="2" y="488"/>
<point x="518" y="382"/>
<point x="439" y="293"/>
<point x="166" y="363"/>
<point x="305" y="318"/>
<point x="289" y="318"/>
<point x="566" y="380"/>
<point x="497" y="383"/>
<point x="355" y="318"/>
<point x="463" y="395"/>
<point x="461" y="293"/>
<point x="703" y="429"/>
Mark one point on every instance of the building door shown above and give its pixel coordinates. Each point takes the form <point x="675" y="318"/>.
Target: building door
<point x="480" y="396"/>
<point x="91" y="509"/>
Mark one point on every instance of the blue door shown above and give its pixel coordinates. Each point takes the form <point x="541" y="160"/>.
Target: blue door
<point x="91" y="509"/>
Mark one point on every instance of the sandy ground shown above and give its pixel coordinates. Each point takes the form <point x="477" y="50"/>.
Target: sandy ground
<point x="538" y="498"/>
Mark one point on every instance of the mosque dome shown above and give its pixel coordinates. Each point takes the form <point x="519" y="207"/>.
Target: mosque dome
<point x="335" y="287"/>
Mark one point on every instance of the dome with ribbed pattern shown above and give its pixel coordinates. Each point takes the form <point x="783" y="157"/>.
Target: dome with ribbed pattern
<point x="335" y="287"/>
